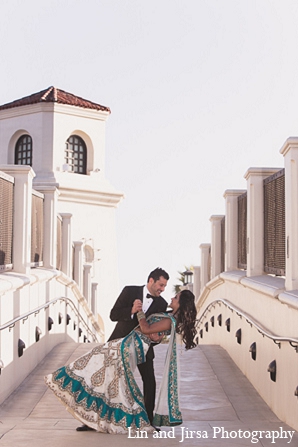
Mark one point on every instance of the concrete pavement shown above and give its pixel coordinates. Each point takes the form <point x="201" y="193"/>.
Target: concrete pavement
<point x="219" y="406"/>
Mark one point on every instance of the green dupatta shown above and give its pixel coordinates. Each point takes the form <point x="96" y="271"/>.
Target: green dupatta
<point x="167" y="412"/>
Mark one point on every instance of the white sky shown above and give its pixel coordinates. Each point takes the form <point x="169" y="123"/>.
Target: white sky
<point x="200" y="90"/>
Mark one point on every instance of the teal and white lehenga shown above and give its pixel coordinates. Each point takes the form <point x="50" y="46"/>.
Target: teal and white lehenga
<point x="99" y="388"/>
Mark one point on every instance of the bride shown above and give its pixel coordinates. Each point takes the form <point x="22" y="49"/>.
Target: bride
<point x="99" y="388"/>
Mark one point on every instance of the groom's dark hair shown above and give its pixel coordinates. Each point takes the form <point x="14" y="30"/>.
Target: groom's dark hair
<point x="157" y="273"/>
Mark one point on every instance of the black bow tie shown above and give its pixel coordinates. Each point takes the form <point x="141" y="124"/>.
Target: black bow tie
<point x="150" y="296"/>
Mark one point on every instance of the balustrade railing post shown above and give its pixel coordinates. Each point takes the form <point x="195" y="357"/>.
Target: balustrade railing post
<point x="215" y="245"/>
<point x="197" y="281"/>
<point x="94" y="297"/>
<point x="231" y="228"/>
<point x="78" y="263"/>
<point x="290" y="152"/>
<point x="205" y="264"/>
<point x="87" y="282"/>
<point x="23" y="176"/>
<point x="50" y="225"/>
<point x="66" y="243"/>
<point x="255" y="218"/>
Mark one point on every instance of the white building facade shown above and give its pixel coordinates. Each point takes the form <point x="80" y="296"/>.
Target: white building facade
<point x="52" y="143"/>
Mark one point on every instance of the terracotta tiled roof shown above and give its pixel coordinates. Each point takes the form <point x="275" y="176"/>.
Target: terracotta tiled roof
<point x="53" y="94"/>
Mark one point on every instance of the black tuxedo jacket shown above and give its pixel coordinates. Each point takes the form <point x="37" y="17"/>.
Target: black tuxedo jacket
<point x="121" y="312"/>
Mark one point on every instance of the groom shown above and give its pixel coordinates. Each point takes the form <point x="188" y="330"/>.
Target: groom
<point x="131" y="300"/>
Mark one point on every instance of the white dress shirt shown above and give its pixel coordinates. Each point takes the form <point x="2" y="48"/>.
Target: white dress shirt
<point x="146" y="301"/>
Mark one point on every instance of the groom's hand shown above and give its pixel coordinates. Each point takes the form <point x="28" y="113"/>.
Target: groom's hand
<point x="156" y="338"/>
<point x="137" y="306"/>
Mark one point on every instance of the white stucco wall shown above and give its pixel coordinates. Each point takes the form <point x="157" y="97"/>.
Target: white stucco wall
<point x="22" y="294"/>
<point x="50" y="125"/>
<point x="264" y="300"/>
<point x="95" y="227"/>
<point x="89" y="125"/>
<point x="90" y="199"/>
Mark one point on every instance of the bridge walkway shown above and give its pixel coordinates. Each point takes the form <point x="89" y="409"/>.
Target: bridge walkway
<point x="220" y="408"/>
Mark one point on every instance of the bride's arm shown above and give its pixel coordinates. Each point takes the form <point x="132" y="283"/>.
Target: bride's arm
<point x="160" y="326"/>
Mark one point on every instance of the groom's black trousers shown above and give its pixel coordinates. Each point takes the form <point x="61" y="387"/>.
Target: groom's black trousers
<point x="149" y="386"/>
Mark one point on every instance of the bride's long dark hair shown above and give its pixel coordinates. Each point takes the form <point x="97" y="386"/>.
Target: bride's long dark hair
<point x="186" y="318"/>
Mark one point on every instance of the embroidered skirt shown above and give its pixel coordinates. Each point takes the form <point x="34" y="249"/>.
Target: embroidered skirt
<point x="99" y="388"/>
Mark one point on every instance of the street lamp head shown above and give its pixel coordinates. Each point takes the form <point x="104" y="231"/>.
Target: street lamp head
<point x="188" y="274"/>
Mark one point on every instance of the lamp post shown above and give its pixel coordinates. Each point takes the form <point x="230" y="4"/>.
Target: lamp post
<point x="188" y="275"/>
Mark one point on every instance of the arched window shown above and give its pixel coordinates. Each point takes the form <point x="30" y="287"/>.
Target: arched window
<point x="76" y="154"/>
<point x="23" y="151"/>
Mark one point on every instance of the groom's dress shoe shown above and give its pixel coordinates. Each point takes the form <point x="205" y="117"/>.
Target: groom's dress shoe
<point x="84" y="428"/>
<point x="156" y="428"/>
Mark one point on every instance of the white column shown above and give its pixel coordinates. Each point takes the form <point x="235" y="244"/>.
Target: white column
<point x="78" y="263"/>
<point x="50" y="225"/>
<point x="66" y="243"/>
<point x="87" y="282"/>
<point x="205" y="264"/>
<point x="255" y="218"/>
<point x="231" y="228"/>
<point x="23" y="176"/>
<point x="196" y="282"/>
<point x="94" y="297"/>
<point x="290" y="153"/>
<point x="215" y="245"/>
